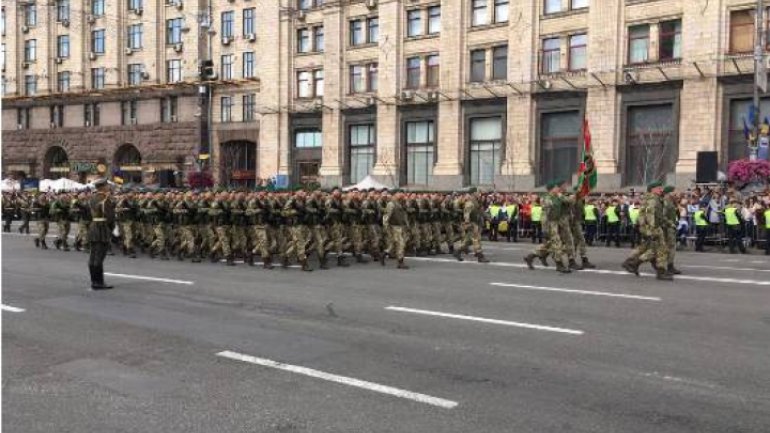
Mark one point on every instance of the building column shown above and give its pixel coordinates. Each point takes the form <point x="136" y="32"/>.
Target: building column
<point x="333" y="141"/>
<point x="387" y="167"/>
<point x="518" y="165"/>
<point x="699" y="123"/>
<point x="602" y="106"/>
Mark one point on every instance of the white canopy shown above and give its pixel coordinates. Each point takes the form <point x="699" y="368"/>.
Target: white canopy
<point x="365" y="184"/>
<point x="10" y="185"/>
<point x="91" y="185"/>
<point x="61" y="184"/>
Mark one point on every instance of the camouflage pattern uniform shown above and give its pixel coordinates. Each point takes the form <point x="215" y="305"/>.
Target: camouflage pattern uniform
<point x="394" y="221"/>
<point x="60" y="214"/>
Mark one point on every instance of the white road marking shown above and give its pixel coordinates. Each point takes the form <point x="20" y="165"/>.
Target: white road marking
<point x="12" y="309"/>
<point x="371" y="386"/>
<point x="727" y="268"/>
<point x="599" y="271"/>
<point x="486" y="320"/>
<point x="731" y="260"/>
<point x="578" y="292"/>
<point x="142" y="277"/>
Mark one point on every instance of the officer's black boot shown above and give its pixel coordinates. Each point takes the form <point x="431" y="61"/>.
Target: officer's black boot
<point x="529" y="259"/>
<point x="324" y="262"/>
<point x="37" y="243"/>
<point x="481" y="258"/>
<point x="402" y="265"/>
<point x="587" y="264"/>
<point x="574" y="266"/>
<point x="341" y="261"/>
<point x="43" y="245"/>
<point x="561" y="268"/>
<point x="673" y="270"/>
<point x="97" y="278"/>
<point x="306" y="267"/>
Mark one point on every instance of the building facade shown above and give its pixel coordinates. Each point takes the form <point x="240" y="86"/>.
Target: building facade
<point x="421" y="94"/>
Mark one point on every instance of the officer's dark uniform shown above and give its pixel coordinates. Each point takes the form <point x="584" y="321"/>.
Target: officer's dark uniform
<point x="100" y="234"/>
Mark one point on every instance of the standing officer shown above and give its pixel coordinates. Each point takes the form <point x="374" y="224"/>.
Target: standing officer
<point x="100" y="232"/>
<point x="612" y="214"/>
<point x="701" y="228"/>
<point x="734" y="224"/>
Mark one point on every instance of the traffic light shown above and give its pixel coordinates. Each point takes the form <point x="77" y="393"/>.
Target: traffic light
<point x="207" y="71"/>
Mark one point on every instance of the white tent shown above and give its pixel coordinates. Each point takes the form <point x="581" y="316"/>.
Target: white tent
<point x="61" y="184"/>
<point x="10" y="185"/>
<point x="365" y="184"/>
<point x="91" y="185"/>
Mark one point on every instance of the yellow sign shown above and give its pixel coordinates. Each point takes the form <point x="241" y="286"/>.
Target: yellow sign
<point x="101" y="168"/>
<point x="203" y="156"/>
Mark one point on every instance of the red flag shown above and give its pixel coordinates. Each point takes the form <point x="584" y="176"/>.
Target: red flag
<point x="587" y="171"/>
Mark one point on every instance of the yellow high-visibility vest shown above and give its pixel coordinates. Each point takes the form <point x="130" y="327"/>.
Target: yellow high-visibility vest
<point x="494" y="211"/>
<point x="510" y="210"/>
<point x="767" y="219"/>
<point x="700" y="218"/>
<point x="612" y="216"/>
<point x="633" y="214"/>
<point x="537" y="213"/>
<point x="589" y="214"/>
<point x="731" y="216"/>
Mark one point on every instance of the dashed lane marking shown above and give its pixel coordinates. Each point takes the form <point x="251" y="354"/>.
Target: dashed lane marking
<point x="726" y="268"/>
<point x="578" y="292"/>
<point x="486" y="320"/>
<point x="371" y="386"/>
<point x="146" y="278"/>
<point x="12" y="309"/>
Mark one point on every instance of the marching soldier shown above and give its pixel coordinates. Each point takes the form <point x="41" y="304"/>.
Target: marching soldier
<point x="334" y="208"/>
<point x="370" y="215"/>
<point x="185" y="218"/>
<point x="552" y="211"/>
<point x="577" y="212"/>
<point x="60" y="214"/>
<point x="652" y="248"/>
<point x="126" y="214"/>
<point x="41" y="210"/>
<point x="394" y="221"/>
<point x="296" y="220"/>
<point x="671" y="217"/>
<point x="25" y="203"/>
<point x="258" y="216"/>
<point x="471" y="229"/>
<point x="81" y="214"/>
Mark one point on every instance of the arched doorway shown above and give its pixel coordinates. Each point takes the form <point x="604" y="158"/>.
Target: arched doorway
<point x="56" y="163"/>
<point x="128" y="162"/>
<point x="238" y="163"/>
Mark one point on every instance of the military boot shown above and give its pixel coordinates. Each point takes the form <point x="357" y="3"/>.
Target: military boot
<point x="267" y="263"/>
<point x="561" y="268"/>
<point x="132" y="253"/>
<point x="661" y="274"/>
<point x="341" y="262"/>
<point x="180" y="255"/>
<point x="529" y="259"/>
<point x="65" y="247"/>
<point x="543" y="260"/>
<point x="124" y="250"/>
<point x="382" y="259"/>
<point x="360" y="259"/>
<point x="632" y="266"/>
<point x="402" y="265"/>
<point x="305" y="266"/>
<point x="57" y="243"/>
<point x="37" y="243"/>
<point x="673" y="270"/>
<point x="587" y="264"/>
<point x="574" y="266"/>
<point x="481" y="258"/>
<point x="285" y="263"/>
<point x="458" y="255"/>
<point x="250" y="259"/>
<point x="324" y="262"/>
<point x="230" y="261"/>
<point x="213" y="257"/>
<point x="43" y="244"/>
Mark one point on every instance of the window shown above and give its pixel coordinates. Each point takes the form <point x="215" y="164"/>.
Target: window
<point x="501" y="11"/>
<point x="578" y="4"/>
<point x="551" y="56"/>
<point x="23" y="117"/>
<point x="552" y="6"/>
<point x="578" y="52"/>
<point x="372" y="30"/>
<point x="307" y="4"/>
<point x="248" y="22"/>
<point x="249" y="69"/>
<point x="485" y="149"/>
<point x="479" y="12"/>
<point x="168" y="108"/>
<point x="739" y="109"/>
<point x="174" y="71"/>
<point x="318" y="82"/>
<point x="2" y="55"/>
<point x="91" y="114"/>
<point x="434" y="20"/>
<point x="63" y="46"/>
<point x="500" y="63"/>
<point x="135" y="36"/>
<point x="652" y="149"/>
<point x="97" y="41"/>
<point x="356" y="32"/>
<point x="413" y="23"/>
<point x="413" y="72"/>
<point x="371" y="77"/>
<point x="318" y="34"/>
<point x="362" y="140"/>
<point x="741" y="32"/>
<point x="670" y="40"/>
<point x="478" y="65"/>
<point x="356" y="79"/>
<point x="63" y="81"/>
<point x="249" y="107"/>
<point x="128" y="113"/>
<point x="227" y="67"/>
<point x="420" y="152"/>
<point x="304" y="84"/>
<point x="227" y="109"/>
<point x="57" y="116"/>
<point x="30" y="14"/>
<point x="2" y="20"/>
<point x="559" y="142"/>
<point x="303" y="40"/>
<point x="30" y="50"/>
<point x="134" y="5"/>
<point x="308" y="139"/>
<point x="30" y="85"/>
<point x="432" y="65"/>
<point x="227" y="24"/>
<point x="97" y="8"/>
<point x="135" y="74"/>
<point x="638" y="44"/>
<point x="97" y="78"/>
<point x="62" y="10"/>
<point x="174" y="31"/>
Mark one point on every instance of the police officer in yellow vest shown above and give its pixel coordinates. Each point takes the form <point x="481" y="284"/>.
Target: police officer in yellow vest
<point x="633" y="221"/>
<point x="612" y="214"/>
<point x="701" y="228"/>
<point x="494" y="211"/>
<point x="591" y="218"/>
<point x="766" y="216"/>
<point x="734" y="225"/>
<point x="512" y="213"/>
<point x="537" y="221"/>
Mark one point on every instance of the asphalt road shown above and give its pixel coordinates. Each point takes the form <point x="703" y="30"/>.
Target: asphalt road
<point x="438" y="348"/>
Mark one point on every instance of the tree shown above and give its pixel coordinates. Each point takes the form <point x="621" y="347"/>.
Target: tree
<point x="228" y="157"/>
<point x="651" y="157"/>
<point x="388" y="162"/>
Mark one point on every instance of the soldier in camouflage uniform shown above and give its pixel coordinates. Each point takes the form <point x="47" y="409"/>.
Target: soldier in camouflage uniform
<point x="577" y="215"/>
<point x="337" y="239"/>
<point x="258" y="215"/>
<point x="652" y="247"/>
<point x="126" y="214"/>
<point x="314" y="208"/>
<point x="553" y="207"/>
<point x="185" y="218"/>
<point x="437" y="224"/>
<point x="352" y="218"/>
<point x="394" y="221"/>
<point x="238" y="239"/>
<point x="295" y="218"/>
<point x="80" y="213"/>
<point x="370" y="214"/>
<point x="671" y="219"/>
<point x="425" y="225"/>
<point x="472" y="220"/>
<point x="413" y="241"/>
<point x="448" y="222"/>
<point x="41" y="210"/>
<point x="158" y="214"/>
<point x="220" y="219"/>
<point x="60" y="213"/>
<point x="25" y="203"/>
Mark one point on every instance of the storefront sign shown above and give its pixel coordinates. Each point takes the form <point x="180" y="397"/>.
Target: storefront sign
<point x="59" y="170"/>
<point x="244" y="174"/>
<point x="83" y="167"/>
<point x="130" y="168"/>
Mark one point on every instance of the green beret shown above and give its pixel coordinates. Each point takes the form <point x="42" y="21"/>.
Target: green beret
<point x="653" y="185"/>
<point x="668" y="189"/>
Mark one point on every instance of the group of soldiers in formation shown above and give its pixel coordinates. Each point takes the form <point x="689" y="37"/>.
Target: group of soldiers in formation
<point x="272" y="225"/>
<point x="562" y="224"/>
